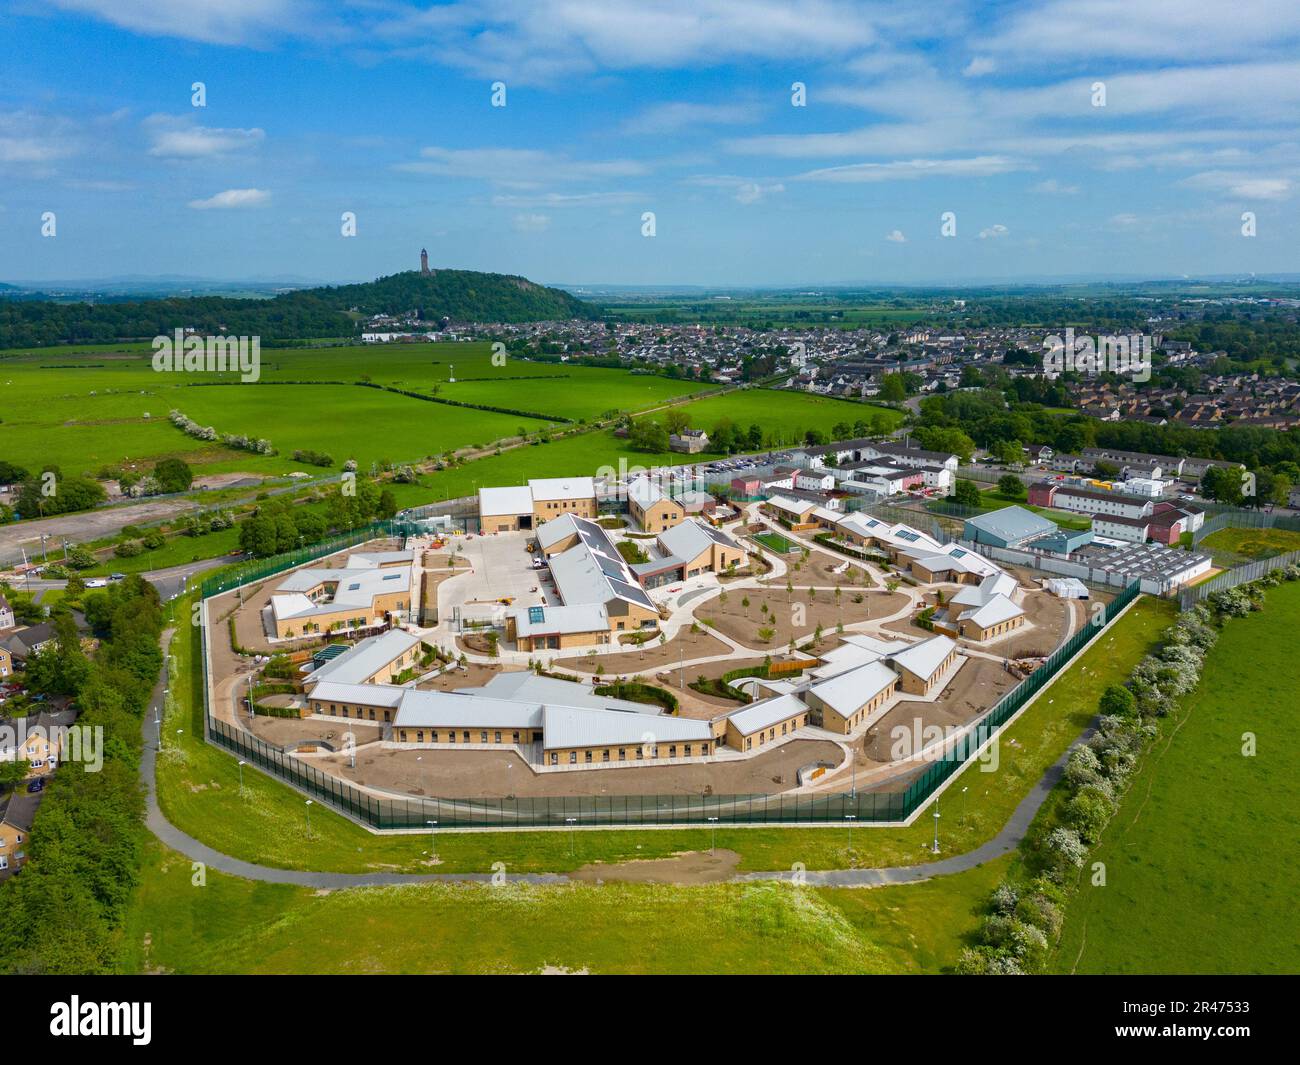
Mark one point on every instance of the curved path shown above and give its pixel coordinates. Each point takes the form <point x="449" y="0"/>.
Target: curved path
<point x="1006" y="840"/>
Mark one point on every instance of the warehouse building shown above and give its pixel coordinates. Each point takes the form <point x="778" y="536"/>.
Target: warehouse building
<point x="1008" y="527"/>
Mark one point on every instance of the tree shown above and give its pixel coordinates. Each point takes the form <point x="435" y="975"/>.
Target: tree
<point x="966" y="493"/>
<point x="173" y="475"/>
<point x="676" y="421"/>
<point x="892" y="388"/>
<point x="12" y="774"/>
<point x="1117" y="701"/>
<point x="1011" y="487"/>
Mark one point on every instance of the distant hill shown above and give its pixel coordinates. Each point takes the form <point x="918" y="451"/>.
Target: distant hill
<point x="462" y="295"/>
<point x="334" y="311"/>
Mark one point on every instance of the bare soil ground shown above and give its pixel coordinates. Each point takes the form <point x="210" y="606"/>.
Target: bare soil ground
<point x="742" y="622"/>
<point x="651" y="656"/>
<point x="692" y="867"/>
<point x="473" y="675"/>
<point x="820" y="569"/>
<point x="976" y="687"/>
<point x="285" y="730"/>
<point x="482" y="774"/>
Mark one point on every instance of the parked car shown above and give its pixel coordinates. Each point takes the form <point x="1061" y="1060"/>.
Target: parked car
<point x="117" y="576"/>
<point x="36" y="785"/>
<point x="97" y="582"/>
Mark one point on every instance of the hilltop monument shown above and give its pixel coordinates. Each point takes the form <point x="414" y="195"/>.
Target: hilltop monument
<point x="424" y="262"/>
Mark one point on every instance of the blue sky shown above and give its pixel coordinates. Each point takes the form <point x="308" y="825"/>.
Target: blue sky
<point x="682" y="108"/>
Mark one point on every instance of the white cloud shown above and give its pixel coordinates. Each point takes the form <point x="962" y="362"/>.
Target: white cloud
<point x="34" y="141"/>
<point x="1242" y="186"/>
<point x="518" y="167"/>
<point x="901" y="169"/>
<point x="744" y="190"/>
<point x="979" y="66"/>
<point x="994" y="232"/>
<point x="674" y="117"/>
<point x="229" y="22"/>
<point x="559" y="199"/>
<point x="232" y="198"/>
<point x="178" y="138"/>
<point x="531" y="223"/>
<point x="543" y="40"/>
<point x="1052" y="187"/>
<point x="896" y="237"/>
<point x="1149" y="30"/>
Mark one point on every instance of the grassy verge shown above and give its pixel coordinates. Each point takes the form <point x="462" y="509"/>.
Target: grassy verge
<point x="1200" y="855"/>
<point x="230" y="925"/>
<point x="199" y="792"/>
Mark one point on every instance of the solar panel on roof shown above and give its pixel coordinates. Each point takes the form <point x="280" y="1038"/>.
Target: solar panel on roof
<point x="536" y="615"/>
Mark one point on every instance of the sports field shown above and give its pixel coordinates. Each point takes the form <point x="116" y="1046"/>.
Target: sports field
<point x="1201" y="856"/>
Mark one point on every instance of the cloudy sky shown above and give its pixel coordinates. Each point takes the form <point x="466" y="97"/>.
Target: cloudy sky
<point x="684" y="108"/>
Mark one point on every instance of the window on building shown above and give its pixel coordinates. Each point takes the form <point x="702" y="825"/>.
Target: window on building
<point x="573" y="758"/>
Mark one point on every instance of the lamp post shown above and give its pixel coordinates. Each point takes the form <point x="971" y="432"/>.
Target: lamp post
<point x="433" y="838"/>
<point x="309" y="804"/>
<point x="157" y="720"/>
<point x="509" y="790"/>
<point x="850" y="818"/>
<point x="241" y="778"/>
<point x="713" y="827"/>
<point x="936" y="825"/>
<point x="571" y="821"/>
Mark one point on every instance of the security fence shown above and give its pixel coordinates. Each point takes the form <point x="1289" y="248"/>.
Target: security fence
<point x="1245" y="519"/>
<point x="1243" y="574"/>
<point x="616" y="810"/>
<point x="249" y="572"/>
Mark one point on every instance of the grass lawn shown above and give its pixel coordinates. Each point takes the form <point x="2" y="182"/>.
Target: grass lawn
<point x="787" y="415"/>
<point x="1249" y="544"/>
<point x="85" y="409"/>
<point x="199" y="792"/>
<point x="231" y="925"/>
<point x="1201" y="856"/>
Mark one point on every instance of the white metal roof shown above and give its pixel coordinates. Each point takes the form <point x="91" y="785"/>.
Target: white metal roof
<point x="996" y="610"/>
<point x="355" y="589"/>
<point x="436" y="709"/>
<point x="555" y="530"/>
<point x="510" y="499"/>
<point x="365" y="694"/>
<point x="848" y="692"/>
<point x="923" y="658"/>
<point x="562" y="488"/>
<point x="364" y="659"/>
<point x="757" y="716"/>
<point x="526" y="686"/>
<point x="570" y="726"/>
<point x="580" y="617"/>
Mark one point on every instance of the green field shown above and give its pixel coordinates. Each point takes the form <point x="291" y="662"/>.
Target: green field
<point x="199" y="792"/>
<point x="788" y="415"/>
<point x="230" y="925"/>
<point x="1201" y="856"/>
<point x="1231" y="547"/>
<point x="776" y="542"/>
<point x="86" y="409"/>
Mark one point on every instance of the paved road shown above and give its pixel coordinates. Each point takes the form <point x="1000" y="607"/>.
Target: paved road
<point x="169" y="582"/>
<point x="1007" y="839"/>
